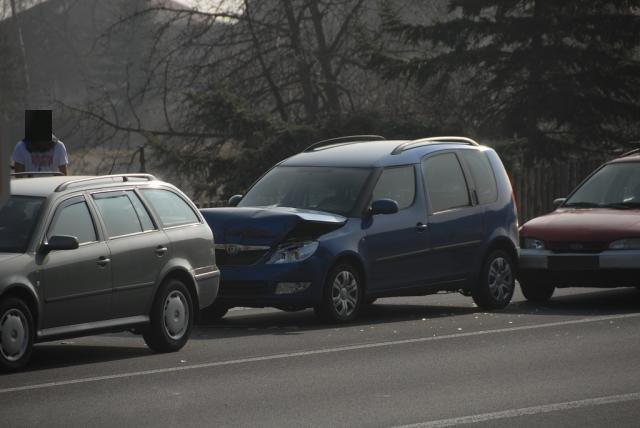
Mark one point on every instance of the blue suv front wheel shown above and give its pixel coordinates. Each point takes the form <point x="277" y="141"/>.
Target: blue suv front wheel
<point x="342" y="294"/>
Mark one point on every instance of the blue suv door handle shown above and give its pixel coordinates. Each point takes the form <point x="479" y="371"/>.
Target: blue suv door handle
<point x="421" y="227"/>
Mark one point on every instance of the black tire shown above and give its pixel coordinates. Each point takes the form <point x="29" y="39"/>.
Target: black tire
<point x="536" y="292"/>
<point x="213" y="313"/>
<point x="347" y="303"/>
<point x="170" y="334"/>
<point x="17" y="334"/>
<point x="496" y="284"/>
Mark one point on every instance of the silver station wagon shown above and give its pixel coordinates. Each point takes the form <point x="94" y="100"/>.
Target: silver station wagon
<point x="83" y="255"/>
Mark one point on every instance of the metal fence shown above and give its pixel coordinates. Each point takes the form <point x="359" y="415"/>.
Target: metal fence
<point x="537" y="183"/>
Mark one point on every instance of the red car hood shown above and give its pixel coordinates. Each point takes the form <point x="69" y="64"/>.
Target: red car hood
<point x="587" y="225"/>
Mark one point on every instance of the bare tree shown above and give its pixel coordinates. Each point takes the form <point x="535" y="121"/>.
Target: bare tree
<point x="227" y="80"/>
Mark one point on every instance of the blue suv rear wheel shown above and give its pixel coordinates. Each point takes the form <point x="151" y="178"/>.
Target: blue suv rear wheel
<point x="495" y="287"/>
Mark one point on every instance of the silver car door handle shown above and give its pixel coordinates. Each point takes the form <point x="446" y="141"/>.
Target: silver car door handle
<point x="161" y="250"/>
<point x="421" y="227"/>
<point x="103" y="261"/>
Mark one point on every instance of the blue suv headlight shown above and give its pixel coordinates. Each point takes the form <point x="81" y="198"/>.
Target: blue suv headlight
<point x="293" y="252"/>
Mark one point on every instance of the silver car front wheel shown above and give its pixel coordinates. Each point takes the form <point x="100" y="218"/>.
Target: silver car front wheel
<point x="16" y="334"/>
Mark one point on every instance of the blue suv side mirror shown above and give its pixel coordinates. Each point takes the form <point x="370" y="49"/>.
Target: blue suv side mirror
<point x="235" y="200"/>
<point x="383" y="206"/>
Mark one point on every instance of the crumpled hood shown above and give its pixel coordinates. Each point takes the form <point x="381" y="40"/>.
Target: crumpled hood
<point x="593" y="225"/>
<point x="268" y="226"/>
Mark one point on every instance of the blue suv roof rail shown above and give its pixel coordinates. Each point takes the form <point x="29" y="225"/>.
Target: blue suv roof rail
<point x="630" y="153"/>
<point x="432" y="140"/>
<point x="343" y="140"/>
<point x="123" y="177"/>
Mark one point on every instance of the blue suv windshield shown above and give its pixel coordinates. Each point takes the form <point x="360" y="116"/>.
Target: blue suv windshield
<point x="334" y="190"/>
<point x="18" y="218"/>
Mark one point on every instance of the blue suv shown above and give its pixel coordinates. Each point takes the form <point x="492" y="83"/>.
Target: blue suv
<point x="353" y="219"/>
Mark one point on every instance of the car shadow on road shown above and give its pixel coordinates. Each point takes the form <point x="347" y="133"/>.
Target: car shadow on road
<point x="277" y="322"/>
<point x="589" y="302"/>
<point x="592" y="302"/>
<point x="56" y="355"/>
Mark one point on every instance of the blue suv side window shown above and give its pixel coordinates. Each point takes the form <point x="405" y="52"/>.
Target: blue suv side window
<point x="445" y="182"/>
<point x="483" y="177"/>
<point x="399" y="184"/>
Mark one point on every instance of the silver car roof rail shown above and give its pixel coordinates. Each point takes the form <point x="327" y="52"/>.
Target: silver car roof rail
<point x="343" y="140"/>
<point x="125" y="178"/>
<point x="35" y="174"/>
<point x="408" y="145"/>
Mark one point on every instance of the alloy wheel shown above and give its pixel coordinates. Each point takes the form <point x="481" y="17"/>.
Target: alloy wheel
<point x="344" y="293"/>
<point x="500" y="279"/>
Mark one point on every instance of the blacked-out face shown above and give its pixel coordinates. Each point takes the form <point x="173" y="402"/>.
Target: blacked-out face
<point x="38" y="130"/>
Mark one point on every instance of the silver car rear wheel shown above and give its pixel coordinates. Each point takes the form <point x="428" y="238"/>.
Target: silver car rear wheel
<point x="171" y="317"/>
<point x="176" y="315"/>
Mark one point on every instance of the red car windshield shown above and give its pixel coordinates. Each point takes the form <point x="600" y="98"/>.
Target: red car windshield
<point x="615" y="185"/>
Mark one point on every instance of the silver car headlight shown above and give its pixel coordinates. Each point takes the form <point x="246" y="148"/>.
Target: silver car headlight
<point x="532" y="244"/>
<point x="625" y="244"/>
<point x="293" y="252"/>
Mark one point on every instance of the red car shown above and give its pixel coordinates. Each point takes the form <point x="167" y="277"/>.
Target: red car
<point x="591" y="240"/>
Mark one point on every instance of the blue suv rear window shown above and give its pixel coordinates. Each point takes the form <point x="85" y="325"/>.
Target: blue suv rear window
<point x="483" y="177"/>
<point x="445" y="182"/>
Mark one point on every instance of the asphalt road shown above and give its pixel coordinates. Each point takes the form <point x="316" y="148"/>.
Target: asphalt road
<point x="429" y="361"/>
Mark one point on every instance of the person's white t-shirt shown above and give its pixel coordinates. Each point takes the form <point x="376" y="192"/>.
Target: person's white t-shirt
<point x="48" y="161"/>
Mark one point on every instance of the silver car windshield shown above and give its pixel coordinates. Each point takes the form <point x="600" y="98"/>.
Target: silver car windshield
<point x="334" y="190"/>
<point x="18" y="219"/>
<point x="616" y="185"/>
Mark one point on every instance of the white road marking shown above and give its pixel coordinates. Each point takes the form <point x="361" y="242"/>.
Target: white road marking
<point x="315" y="352"/>
<point x="526" y="411"/>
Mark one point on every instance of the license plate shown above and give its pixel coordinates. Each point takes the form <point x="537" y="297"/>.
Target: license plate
<point x="573" y="262"/>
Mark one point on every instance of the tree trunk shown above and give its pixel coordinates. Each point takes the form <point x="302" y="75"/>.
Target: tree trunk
<point x="324" y="56"/>
<point x="23" y="53"/>
<point x="303" y="67"/>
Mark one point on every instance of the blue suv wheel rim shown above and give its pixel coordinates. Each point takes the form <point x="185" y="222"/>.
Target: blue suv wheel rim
<point x="344" y="293"/>
<point x="500" y="279"/>
<point x="14" y="335"/>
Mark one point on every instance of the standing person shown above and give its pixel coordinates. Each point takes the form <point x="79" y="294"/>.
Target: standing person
<point x="40" y="150"/>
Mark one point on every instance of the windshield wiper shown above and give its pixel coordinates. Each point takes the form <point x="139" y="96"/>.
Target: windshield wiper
<point x="622" y="205"/>
<point x="581" y="205"/>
